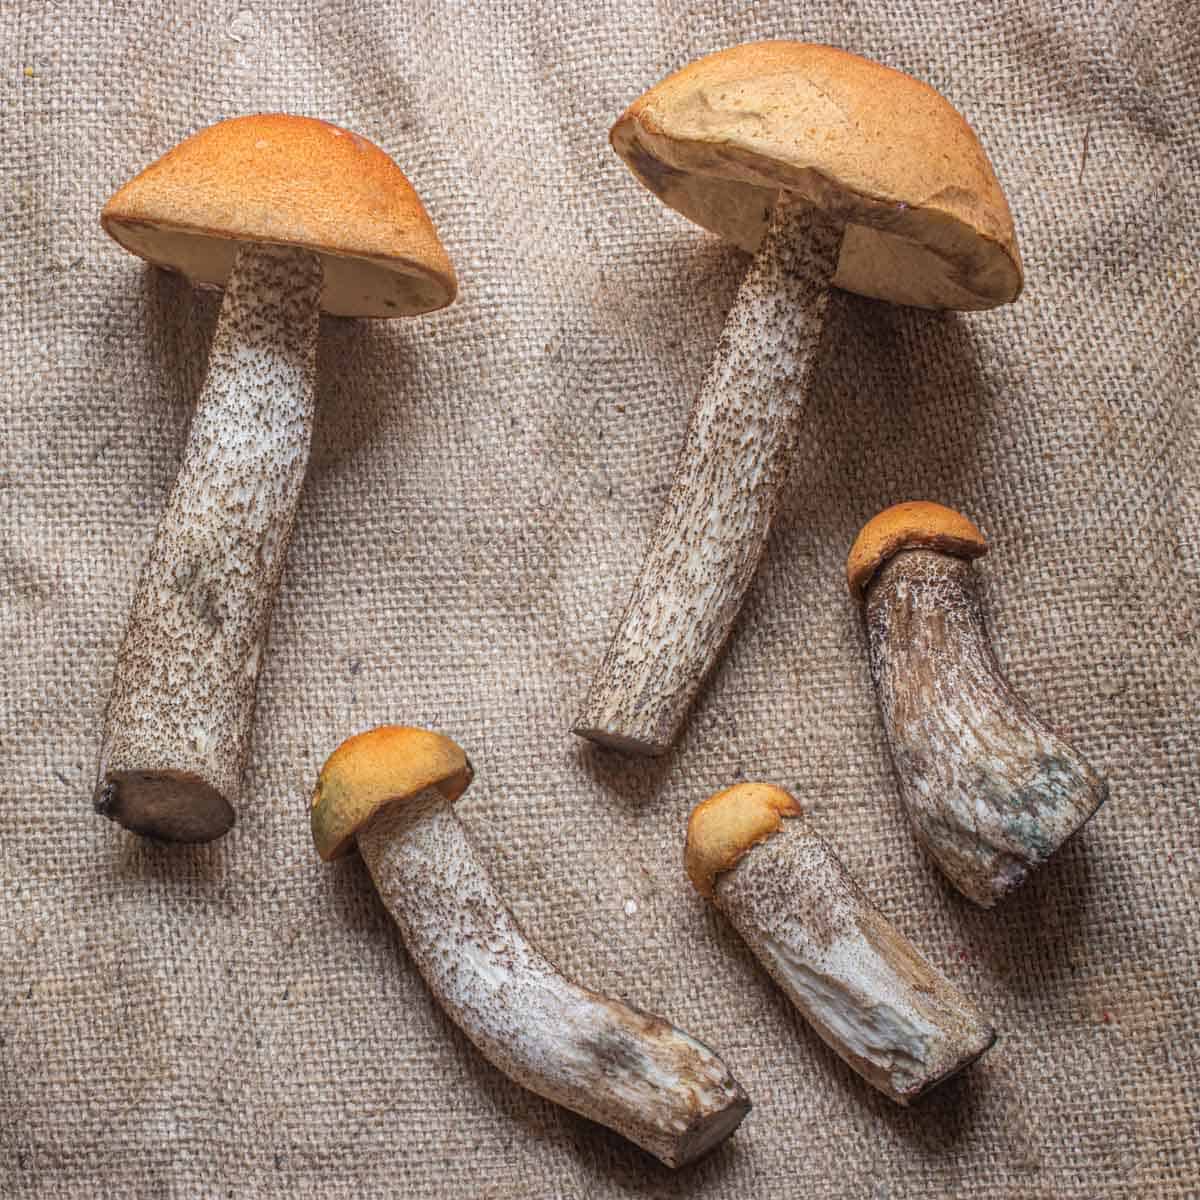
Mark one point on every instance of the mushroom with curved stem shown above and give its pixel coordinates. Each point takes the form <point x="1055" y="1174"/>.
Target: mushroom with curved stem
<point x="857" y="980"/>
<point x="391" y="790"/>
<point x="833" y="171"/>
<point x="292" y="217"/>
<point x="991" y="791"/>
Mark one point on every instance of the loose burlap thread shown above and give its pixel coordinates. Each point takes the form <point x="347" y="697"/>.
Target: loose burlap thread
<point x="242" y="1020"/>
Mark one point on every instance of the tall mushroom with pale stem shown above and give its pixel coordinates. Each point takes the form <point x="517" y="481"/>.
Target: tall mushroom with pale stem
<point x="292" y="217"/>
<point x="392" y="790"/>
<point x="833" y="171"/>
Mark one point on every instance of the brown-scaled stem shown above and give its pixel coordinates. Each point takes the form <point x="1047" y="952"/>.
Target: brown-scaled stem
<point x="860" y="984"/>
<point x="857" y="980"/>
<point x="597" y="1056"/>
<point x="991" y="791"/>
<point x="734" y="462"/>
<point x="181" y="709"/>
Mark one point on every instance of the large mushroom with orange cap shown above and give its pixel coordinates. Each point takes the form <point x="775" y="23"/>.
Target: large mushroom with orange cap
<point x="991" y="790"/>
<point x="391" y="792"/>
<point x="292" y="217"/>
<point x="833" y="171"/>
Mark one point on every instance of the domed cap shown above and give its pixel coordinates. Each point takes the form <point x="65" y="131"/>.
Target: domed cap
<point x="390" y="764"/>
<point x="914" y="523"/>
<point x="291" y="181"/>
<point x="722" y="828"/>
<point x="927" y="223"/>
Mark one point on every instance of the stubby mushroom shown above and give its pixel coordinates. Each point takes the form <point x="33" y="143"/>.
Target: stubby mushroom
<point x="833" y="171"/>
<point x="292" y="217"/>
<point x="392" y="790"/>
<point x="857" y="980"/>
<point x="991" y="791"/>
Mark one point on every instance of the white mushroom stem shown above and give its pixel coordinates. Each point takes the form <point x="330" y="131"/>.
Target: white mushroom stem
<point x="601" y="1058"/>
<point x="860" y="984"/>
<point x="991" y="791"/>
<point x="182" y="704"/>
<point x="734" y="462"/>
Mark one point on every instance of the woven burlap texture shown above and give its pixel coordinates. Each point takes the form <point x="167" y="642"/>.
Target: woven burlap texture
<point x="241" y="1019"/>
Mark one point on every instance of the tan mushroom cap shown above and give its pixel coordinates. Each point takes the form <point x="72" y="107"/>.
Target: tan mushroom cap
<point x="290" y="181"/>
<point x="722" y="828"/>
<point x="914" y="523"/>
<point x="927" y="222"/>
<point x="380" y="767"/>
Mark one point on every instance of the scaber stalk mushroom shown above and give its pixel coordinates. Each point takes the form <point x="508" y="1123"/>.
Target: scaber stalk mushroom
<point x="392" y="790"/>
<point x="860" y="983"/>
<point x="292" y="217"/>
<point x="991" y="791"/>
<point x="833" y="171"/>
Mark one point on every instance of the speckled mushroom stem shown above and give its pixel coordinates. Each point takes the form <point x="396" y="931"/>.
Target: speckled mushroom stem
<point x="860" y="983"/>
<point x="181" y="709"/>
<point x="991" y="791"/>
<point x="601" y="1058"/>
<point x="735" y="460"/>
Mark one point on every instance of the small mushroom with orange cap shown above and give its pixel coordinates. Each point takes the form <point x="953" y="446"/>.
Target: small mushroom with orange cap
<point x="991" y="791"/>
<point x="833" y="171"/>
<point x="856" y="979"/>
<point x="292" y="217"/>
<point x="391" y="790"/>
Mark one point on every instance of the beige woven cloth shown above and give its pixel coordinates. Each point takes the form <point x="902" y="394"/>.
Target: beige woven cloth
<point x="240" y="1020"/>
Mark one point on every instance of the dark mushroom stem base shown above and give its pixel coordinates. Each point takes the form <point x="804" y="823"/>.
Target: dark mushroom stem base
<point x="725" y="492"/>
<point x="611" y="1063"/>
<point x="180" y="713"/>
<point x="991" y="791"/>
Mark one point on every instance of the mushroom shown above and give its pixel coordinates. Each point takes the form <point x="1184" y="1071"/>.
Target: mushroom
<point x="857" y="980"/>
<point x="991" y="791"/>
<point x="392" y="790"/>
<point x="833" y="171"/>
<point x="292" y="217"/>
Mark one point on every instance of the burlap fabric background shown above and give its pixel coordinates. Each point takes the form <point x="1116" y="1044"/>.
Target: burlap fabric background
<point x="241" y="1020"/>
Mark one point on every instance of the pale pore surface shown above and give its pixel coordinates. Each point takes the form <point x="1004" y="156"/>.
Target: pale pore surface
<point x="860" y="983"/>
<point x="735" y="459"/>
<point x="991" y="790"/>
<point x="624" y="1068"/>
<point x="189" y="1022"/>
<point x="183" y="694"/>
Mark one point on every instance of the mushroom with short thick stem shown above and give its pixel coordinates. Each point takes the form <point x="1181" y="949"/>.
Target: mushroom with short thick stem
<point x="991" y="791"/>
<point x="392" y="789"/>
<point x="292" y="217"/>
<point x="858" y="981"/>
<point x="835" y="172"/>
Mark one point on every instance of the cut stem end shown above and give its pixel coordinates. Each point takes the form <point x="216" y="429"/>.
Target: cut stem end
<point x="610" y="739"/>
<point x="710" y="1131"/>
<point x="170" y="806"/>
<point x="969" y="1058"/>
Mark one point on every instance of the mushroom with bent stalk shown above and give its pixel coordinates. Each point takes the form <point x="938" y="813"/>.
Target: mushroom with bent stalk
<point x="858" y="981"/>
<point x="391" y="790"/>
<point x="833" y="171"/>
<point x="292" y="217"/>
<point x="991" y="791"/>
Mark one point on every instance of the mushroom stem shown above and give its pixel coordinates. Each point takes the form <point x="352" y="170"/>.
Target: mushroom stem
<point x="179" y="716"/>
<point x="609" y="1062"/>
<point x="990" y="790"/>
<point x="858" y="981"/>
<point x="725" y="492"/>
